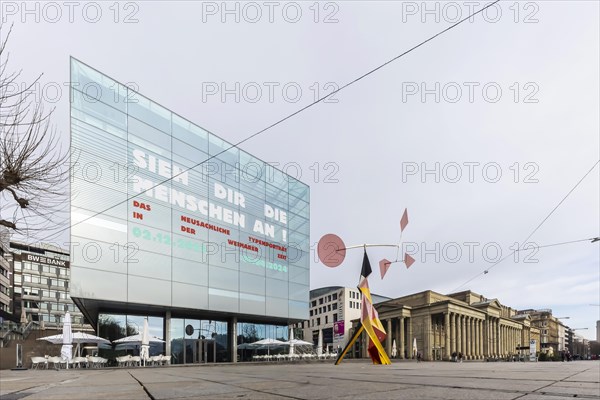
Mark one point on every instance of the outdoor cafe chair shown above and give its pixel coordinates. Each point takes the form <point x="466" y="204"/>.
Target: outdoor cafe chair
<point x="123" y="360"/>
<point x="37" y="361"/>
<point x="157" y="360"/>
<point x="165" y="360"/>
<point x="96" y="362"/>
<point x="55" y="361"/>
<point x="77" y="361"/>
<point x="135" y="361"/>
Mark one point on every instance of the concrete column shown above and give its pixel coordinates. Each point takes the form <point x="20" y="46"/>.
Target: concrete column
<point x="447" y="330"/>
<point x="232" y="332"/>
<point x="168" y="333"/>
<point x="388" y="338"/>
<point x="401" y="345"/>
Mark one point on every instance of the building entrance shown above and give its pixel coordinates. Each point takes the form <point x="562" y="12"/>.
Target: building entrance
<point x="200" y="351"/>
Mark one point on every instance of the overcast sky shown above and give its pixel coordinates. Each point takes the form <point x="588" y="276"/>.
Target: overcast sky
<point x="514" y="92"/>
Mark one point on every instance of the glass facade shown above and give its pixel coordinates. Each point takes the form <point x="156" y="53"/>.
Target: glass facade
<point x="167" y="214"/>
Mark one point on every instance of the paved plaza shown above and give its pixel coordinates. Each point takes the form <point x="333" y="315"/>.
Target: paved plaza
<point x="319" y="380"/>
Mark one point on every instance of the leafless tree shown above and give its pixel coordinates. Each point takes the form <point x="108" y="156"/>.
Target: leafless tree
<point x="33" y="168"/>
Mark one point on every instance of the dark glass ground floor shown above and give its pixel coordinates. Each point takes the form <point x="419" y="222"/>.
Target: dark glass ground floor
<point x="205" y="341"/>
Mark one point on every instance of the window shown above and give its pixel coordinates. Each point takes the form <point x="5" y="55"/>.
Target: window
<point x="311" y="313"/>
<point x="334" y="306"/>
<point x="329" y="307"/>
<point x="334" y="296"/>
<point x="321" y="300"/>
<point x="326" y="319"/>
<point x="318" y="321"/>
<point x="329" y="298"/>
<point x="334" y="317"/>
<point x="313" y="303"/>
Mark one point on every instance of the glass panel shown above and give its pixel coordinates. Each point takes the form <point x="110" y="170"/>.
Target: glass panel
<point x="189" y="133"/>
<point x="151" y="113"/>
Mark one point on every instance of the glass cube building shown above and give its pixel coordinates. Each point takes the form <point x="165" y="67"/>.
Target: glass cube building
<point x="172" y="222"/>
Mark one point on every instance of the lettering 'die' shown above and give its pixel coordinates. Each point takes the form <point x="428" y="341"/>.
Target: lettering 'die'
<point x="214" y="211"/>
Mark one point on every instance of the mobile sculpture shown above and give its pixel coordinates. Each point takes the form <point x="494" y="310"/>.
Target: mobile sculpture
<point x="332" y="252"/>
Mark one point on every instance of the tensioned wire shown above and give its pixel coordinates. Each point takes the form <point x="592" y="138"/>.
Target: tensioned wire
<point x="280" y="121"/>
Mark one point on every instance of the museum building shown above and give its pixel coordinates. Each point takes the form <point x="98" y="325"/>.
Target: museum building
<point x="173" y="223"/>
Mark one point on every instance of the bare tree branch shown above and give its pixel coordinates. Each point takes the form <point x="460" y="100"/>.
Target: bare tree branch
<point x="33" y="168"/>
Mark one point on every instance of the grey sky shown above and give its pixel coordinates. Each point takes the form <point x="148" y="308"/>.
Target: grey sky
<point x="177" y="52"/>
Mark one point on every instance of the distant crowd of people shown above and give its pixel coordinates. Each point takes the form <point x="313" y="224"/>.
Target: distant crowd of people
<point x="457" y="357"/>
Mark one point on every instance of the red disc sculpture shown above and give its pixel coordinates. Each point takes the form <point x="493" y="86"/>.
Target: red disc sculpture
<point x="331" y="250"/>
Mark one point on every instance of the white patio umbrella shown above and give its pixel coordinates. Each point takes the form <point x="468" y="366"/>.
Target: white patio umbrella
<point x="135" y="340"/>
<point x="394" y="349"/>
<point x="246" y="346"/>
<point x="23" y="314"/>
<point x="290" y="340"/>
<point x="320" y="343"/>
<point x="268" y="343"/>
<point x="145" y="351"/>
<point x="77" y="337"/>
<point x="66" y="351"/>
<point x="296" y="342"/>
<point x="415" y="351"/>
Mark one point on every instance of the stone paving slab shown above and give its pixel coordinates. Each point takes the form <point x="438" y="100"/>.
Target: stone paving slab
<point x="352" y="379"/>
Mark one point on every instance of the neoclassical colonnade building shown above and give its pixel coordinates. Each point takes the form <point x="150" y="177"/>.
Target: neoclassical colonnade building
<point x="463" y="322"/>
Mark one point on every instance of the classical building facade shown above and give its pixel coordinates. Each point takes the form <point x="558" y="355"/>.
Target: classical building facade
<point x="441" y="325"/>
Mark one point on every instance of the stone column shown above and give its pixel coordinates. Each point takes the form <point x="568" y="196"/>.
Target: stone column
<point x="477" y="333"/>
<point x="388" y="338"/>
<point x="501" y="342"/>
<point x="466" y="348"/>
<point x="472" y="329"/>
<point x="426" y="352"/>
<point x="486" y="337"/>
<point x="447" y="350"/>
<point x="452" y="333"/>
<point x="401" y="344"/>
<point x="482" y="341"/>
<point x="409" y="341"/>
<point x="498" y="339"/>
<point x="463" y="335"/>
